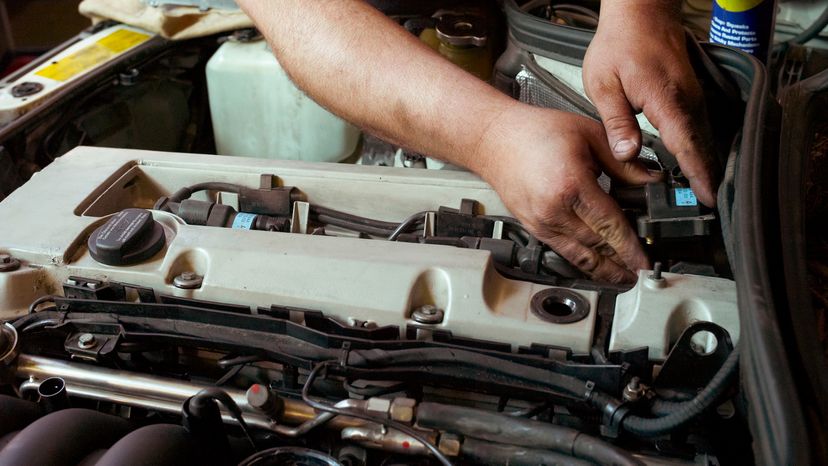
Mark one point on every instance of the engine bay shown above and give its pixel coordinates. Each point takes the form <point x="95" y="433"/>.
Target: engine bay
<point x="159" y="279"/>
<point x="161" y="304"/>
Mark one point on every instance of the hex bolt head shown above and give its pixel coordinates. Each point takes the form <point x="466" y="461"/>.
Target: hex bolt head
<point x="378" y="407"/>
<point x="449" y="445"/>
<point x="427" y="314"/>
<point x="188" y="281"/>
<point x="402" y="409"/>
<point x="8" y="263"/>
<point x="86" y="341"/>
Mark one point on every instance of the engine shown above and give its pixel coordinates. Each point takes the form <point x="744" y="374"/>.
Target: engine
<point x="166" y="308"/>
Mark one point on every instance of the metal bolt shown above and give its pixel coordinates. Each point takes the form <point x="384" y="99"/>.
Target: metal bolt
<point x="634" y="390"/>
<point x="656" y="271"/>
<point x="8" y="263"/>
<point x="449" y="445"/>
<point x="86" y="341"/>
<point x="427" y="314"/>
<point x="656" y="280"/>
<point x="188" y="281"/>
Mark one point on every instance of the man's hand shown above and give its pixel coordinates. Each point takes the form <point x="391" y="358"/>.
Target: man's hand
<point x="638" y="62"/>
<point x="544" y="165"/>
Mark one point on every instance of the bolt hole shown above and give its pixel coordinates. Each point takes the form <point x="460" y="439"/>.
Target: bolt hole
<point x="558" y="306"/>
<point x="704" y="343"/>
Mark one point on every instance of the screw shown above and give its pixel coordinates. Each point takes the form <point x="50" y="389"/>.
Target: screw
<point x="86" y="341"/>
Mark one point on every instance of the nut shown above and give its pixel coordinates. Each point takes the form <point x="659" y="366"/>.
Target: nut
<point x="634" y="390"/>
<point x="402" y="409"/>
<point x="449" y="445"/>
<point x="378" y="407"/>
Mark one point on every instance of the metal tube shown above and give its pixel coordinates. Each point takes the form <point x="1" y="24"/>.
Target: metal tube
<point x="151" y="392"/>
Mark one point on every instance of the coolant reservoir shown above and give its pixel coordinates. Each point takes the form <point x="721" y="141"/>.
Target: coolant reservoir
<point x="257" y="111"/>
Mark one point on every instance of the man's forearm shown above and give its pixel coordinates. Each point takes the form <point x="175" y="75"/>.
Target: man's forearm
<point x="362" y="66"/>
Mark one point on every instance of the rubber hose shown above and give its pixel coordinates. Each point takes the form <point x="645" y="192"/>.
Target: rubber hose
<point x="497" y="454"/>
<point x="494" y="427"/>
<point x="683" y="412"/>
<point x="63" y="438"/>
<point x="380" y="358"/>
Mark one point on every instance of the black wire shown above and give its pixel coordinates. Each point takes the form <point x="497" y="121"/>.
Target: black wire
<point x="39" y="301"/>
<point x="236" y="361"/>
<point x="232" y="372"/>
<point x="314" y="373"/>
<point x="338" y="222"/>
<point x="222" y="397"/>
<point x="375" y="390"/>
<point x="331" y="213"/>
<point x="813" y="30"/>
<point x="406" y="224"/>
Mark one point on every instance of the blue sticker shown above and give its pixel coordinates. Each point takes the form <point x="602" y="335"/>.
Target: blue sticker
<point x="685" y="197"/>
<point x="244" y="221"/>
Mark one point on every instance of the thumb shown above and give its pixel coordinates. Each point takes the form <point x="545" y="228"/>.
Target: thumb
<point x="618" y="117"/>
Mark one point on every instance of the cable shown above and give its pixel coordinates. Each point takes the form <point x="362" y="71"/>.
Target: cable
<point x="314" y="373"/>
<point x="185" y="193"/>
<point x="367" y="229"/>
<point x="566" y="385"/>
<point x="222" y="397"/>
<point x="410" y="221"/>
<point x="813" y="30"/>
<point x="495" y="427"/>
<point x="374" y="390"/>
<point x="681" y="413"/>
<point x="390" y="226"/>
<point x="39" y="301"/>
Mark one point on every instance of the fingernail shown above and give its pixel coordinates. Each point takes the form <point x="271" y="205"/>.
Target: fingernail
<point x="624" y="147"/>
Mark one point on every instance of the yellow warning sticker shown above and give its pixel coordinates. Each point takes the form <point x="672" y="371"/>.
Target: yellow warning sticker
<point x="106" y="48"/>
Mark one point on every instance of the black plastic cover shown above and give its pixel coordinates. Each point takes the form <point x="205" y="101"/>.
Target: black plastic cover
<point x="129" y="237"/>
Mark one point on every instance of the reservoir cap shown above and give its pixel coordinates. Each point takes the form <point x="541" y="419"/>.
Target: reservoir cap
<point x="129" y="237"/>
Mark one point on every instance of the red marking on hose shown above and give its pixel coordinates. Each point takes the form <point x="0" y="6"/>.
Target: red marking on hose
<point x="256" y="388"/>
<point x="406" y="444"/>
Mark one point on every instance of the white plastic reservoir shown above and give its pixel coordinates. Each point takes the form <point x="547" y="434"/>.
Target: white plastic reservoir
<point x="258" y="112"/>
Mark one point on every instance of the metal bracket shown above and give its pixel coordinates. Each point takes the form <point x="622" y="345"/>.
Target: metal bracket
<point x="699" y="352"/>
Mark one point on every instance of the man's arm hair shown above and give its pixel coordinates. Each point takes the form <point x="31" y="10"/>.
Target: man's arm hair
<point x="359" y="64"/>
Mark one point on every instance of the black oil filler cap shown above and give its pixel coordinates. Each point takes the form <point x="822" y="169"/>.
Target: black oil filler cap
<point x="129" y="237"/>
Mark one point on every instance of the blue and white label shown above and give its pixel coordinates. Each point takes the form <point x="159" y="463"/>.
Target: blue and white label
<point x="684" y="198"/>
<point x="244" y="221"/>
